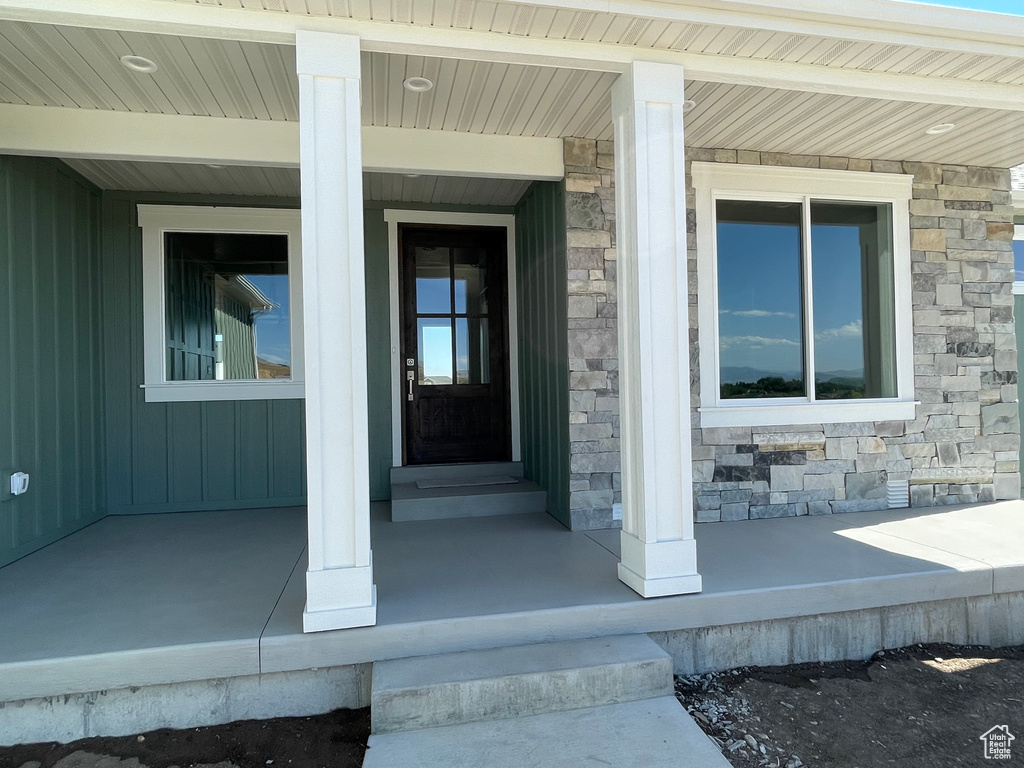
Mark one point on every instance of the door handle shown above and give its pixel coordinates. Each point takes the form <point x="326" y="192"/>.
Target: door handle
<point x="410" y="375"/>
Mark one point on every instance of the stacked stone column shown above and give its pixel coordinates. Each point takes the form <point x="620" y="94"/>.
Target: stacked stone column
<point x="595" y="482"/>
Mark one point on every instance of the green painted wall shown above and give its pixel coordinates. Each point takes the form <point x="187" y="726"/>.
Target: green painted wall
<point x="71" y="399"/>
<point x="51" y="379"/>
<point x="168" y="457"/>
<point x="543" y="342"/>
<point x="188" y="456"/>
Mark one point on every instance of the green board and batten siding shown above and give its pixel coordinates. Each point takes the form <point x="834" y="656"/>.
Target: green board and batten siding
<point x="543" y="342"/>
<point x="51" y="379"/>
<point x="216" y="455"/>
<point x="71" y="400"/>
<point x="167" y="457"/>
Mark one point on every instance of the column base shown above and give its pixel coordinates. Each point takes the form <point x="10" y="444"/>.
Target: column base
<point x="340" y="598"/>
<point x="341" y="618"/>
<point x="673" y="585"/>
<point x="659" y="568"/>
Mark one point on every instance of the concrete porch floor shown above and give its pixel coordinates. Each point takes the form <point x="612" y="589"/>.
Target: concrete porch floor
<point x="134" y="601"/>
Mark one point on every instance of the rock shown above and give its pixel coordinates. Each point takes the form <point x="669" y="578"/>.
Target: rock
<point x="751" y="741"/>
<point x="82" y="759"/>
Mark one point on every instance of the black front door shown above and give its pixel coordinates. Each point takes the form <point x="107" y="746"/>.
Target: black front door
<point x="454" y="344"/>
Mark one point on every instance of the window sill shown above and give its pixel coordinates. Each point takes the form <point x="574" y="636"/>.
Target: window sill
<point x="186" y="391"/>
<point x="806" y="413"/>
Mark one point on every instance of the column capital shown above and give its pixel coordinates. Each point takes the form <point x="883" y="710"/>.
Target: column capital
<point x="327" y="54"/>
<point x="654" y="81"/>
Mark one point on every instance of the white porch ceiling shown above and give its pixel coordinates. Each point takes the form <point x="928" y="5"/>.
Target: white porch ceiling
<point x="46" y="65"/>
<point x="188" y="179"/>
<point x="284" y="182"/>
<point x="696" y="28"/>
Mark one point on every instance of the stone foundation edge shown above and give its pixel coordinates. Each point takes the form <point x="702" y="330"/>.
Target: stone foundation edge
<point x="125" y="711"/>
<point x="990" y="620"/>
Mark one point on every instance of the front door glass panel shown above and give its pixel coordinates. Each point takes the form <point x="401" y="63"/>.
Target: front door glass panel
<point x="455" y="376"/>
<point x="435" y="350"/>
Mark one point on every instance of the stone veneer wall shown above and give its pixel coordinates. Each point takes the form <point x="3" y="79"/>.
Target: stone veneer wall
<point x="594" y="482"/>
<point x="962" y="447"/>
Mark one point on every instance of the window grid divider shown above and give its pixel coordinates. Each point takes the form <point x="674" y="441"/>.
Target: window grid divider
<point x="808" y="298"/>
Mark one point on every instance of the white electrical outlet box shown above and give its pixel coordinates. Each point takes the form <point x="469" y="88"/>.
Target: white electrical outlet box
<point x="617" y="511"/>
<point x="19" y="483"/>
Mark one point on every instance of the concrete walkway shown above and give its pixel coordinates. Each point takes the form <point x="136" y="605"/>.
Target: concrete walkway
<point x="654" y="733"/>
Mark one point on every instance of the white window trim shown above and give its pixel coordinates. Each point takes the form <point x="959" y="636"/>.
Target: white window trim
<point x="1018" y="285"/>
<point x="155" y="220"/>
<point x="713" y="181"/>
<point x="395" y="216"/>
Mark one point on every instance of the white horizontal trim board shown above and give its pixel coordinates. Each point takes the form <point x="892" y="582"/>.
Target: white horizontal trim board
<point x="161" y="16"/>
<point x="716" y="181"/>
<point x="155" y="220"/>
<point x="69" y="132"/>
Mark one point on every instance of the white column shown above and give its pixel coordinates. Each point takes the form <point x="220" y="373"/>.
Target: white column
<point x="339" y="583"/>
<point x="659" y="554"/>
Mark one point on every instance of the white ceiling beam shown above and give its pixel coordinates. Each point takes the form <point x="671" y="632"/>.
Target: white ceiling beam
<point x="83" y="133"/>
<point x="107" y="135"/>
<point x="160" y="16"/>
<point x="447" y="153"/>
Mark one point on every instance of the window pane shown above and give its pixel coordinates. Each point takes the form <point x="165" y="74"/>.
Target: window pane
<point x="433" y="280"/>
<point x="760" y="304"/>
<point x="472" y="347"/>
<point x="470" y="281"/>
<point x="227" y="306"/>
<point x="854" y="334"/>
<point x="435" y="350"/>
<point x="1018" y="260"/>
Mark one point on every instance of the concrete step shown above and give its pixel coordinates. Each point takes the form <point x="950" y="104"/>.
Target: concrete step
<point x="454" y="688"/>
<point x="651" y="733"/>
<point x="411" y="503"/>
<point x="414" y="472"/>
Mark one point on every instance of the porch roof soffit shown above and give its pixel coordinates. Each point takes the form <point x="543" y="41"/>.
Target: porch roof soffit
<point x="879" y="49"/>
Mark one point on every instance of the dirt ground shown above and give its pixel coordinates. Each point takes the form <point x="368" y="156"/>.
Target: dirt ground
<point x="334" y="740"/>
<point x="925" y="706"/>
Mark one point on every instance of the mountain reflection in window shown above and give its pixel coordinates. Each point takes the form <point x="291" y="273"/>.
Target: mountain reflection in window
<point x="760" y="299"/>
<point x="227" y="308"/>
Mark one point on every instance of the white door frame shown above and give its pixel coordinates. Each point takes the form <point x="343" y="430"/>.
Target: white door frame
<point x="394" y="217"/>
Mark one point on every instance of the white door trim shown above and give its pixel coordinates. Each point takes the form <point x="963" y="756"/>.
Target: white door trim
<point x="394" y="217"/>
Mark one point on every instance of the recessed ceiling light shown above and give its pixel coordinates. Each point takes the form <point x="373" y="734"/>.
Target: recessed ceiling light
<point x="688" y="105"/>
<point x="214" y="166"/>
<point x="941" y="128"/>
<point x="417" y="84"/>
<point x="139" y="64"/>
<point x="412" y="175"/>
